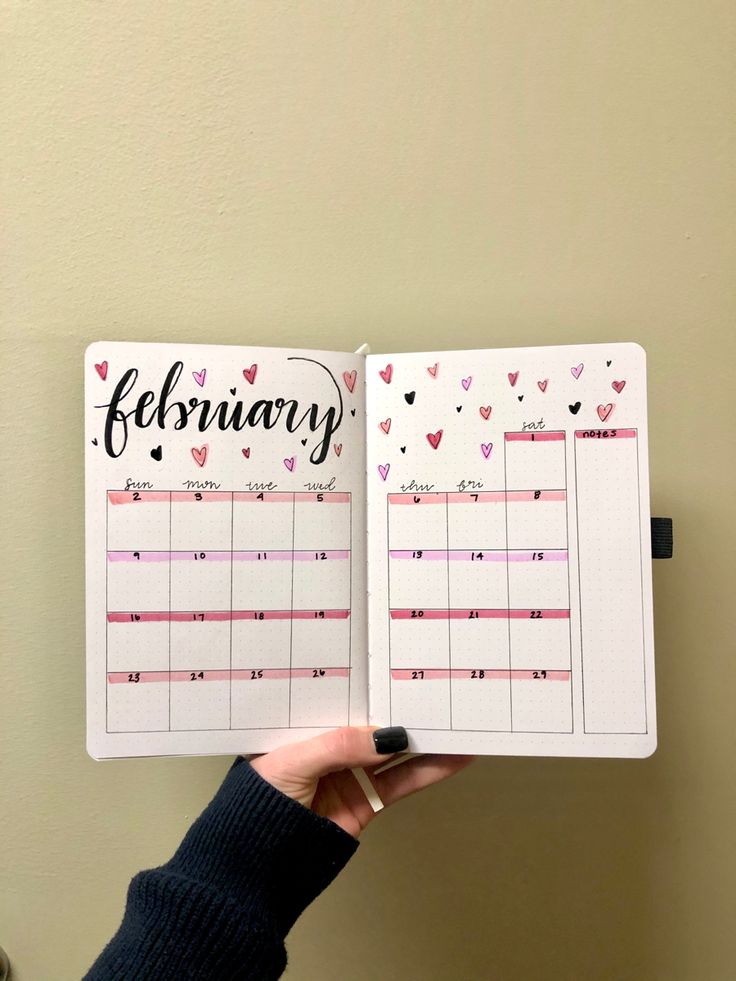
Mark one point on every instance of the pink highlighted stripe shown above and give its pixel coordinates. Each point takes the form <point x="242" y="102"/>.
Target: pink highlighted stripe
<point x="219" y="615"/>
<point x="419" y="615"/>
<point x="545" y="495"/>
<point x="138" y="497"/>
<point x="428" y="498"/>
<point x="487" y="497"/>
<point x="249" y="674"/>
<point x="476" y="674"/>
<point x="482" y="497"/>
<point x="541" y="437"/>
<point x="496" y="555"/>
<point x="605" y="434"/>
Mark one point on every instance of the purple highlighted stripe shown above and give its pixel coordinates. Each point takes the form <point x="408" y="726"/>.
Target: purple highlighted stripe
<point x="494" y="555"/>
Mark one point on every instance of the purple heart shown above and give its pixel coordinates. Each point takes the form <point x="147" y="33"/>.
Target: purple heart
<point x="466" y="382"/>
<point x="383" y="469"/>
<point x="290" y="463"/>
<point x="486" y="449"/>
<point x="577" y="370"/>
<point x="199" y="376"/>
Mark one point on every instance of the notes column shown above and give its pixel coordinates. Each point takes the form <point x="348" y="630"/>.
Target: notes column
<point x="138" y="565"/>
<point x="419" y="610"/>
<point x="539" y="597"/>
<point x="611" y="602"/>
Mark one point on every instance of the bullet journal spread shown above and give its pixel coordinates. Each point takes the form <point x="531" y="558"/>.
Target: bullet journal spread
<point x="279" y="542"/>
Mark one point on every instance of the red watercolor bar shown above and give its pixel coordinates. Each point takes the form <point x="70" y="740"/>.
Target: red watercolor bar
<point x="137" y="497"/>
<point x="605" y="434"/>
<point x="545" y="495"/>
<point x="220" y="615"/>
<point x="323" y="497"/>
<point x="541" y="437"/>
<point x="476" y="674"/>
<point x="419" y="498"/>
<point x="418" y="614"/>
<point x="136" y="677"/>
<point x="481" y="555"/>
<point x="201" y="497"/>
<point x="482" y="497"/>
<point x="240" y="497"/>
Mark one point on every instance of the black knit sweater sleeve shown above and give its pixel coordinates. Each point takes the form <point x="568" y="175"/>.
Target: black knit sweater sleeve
<point x="222" y="906"/>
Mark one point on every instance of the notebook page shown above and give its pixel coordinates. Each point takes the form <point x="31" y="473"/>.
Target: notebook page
<point x="225" y="515"/>
<point x="510" y="602"/>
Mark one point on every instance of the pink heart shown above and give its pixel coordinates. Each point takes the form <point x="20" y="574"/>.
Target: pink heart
<point x="434" y="369"/>
<point x="290" y="463"/>
<point x="246" y="452"/>
<point x="618" y="386"/>
<point x="383" y="469"/>
<point x="604" y="411"/>
<point x="513" y="378"/>
<point x="101" y="370"/>
<point x="486" y="449"/>
<point x="349" y="378"/>
<point x="385" y="425"/>
<point x="199" y="376"/>
<point x="485" y="411"/>
<point x="466" y="382"/>
<point x="200" y="455"/>
<point x="250" y="373"/>
<point x="577" y="370"/>
<point x="387" y="374"/>
<point x="543" y="384"/>
<point x="434" y="439"/>
<point x="337" y="447"/>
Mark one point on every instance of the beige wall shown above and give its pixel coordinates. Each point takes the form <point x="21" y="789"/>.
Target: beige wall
<point x="420" y="174"/>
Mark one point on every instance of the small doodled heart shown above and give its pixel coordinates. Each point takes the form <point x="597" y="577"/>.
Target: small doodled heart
<point x="577" y="370"/>
<point x="250" y="373"/>
<point x="200" y="455"/>
<point x="608" y="364"/>
<point x="157" y="453"/>
<point x="304" y="442"/>
<point x="352" y="412"/>
<point x="290" y="463"/>
<point x="485" y="411"/>
<point x="410" y="396"/>
<point x="618" y="386"/>
<point x="543" y="385"/>
<point x="574" y="408"/>
<point x="385" y="425"/>
<point x="458" y="408"/>
<point x="101" y="370"/>
<point x="199" y="376"/>
<point x="94" y="441"/>
<point x="520" y="398"/>
<point x="403" y="449"/>
<point x="485" y="449"/>
<point x="434" y="369"/>
<point x="337" y="447"/>
<point x="604" y="411"/>
<point x="513" y="378"/>
<point x="246" y="452"/>
<point x="383" y="469"/>
<point x="466" y="382"/>
<point x="434" y="439"/>
<point x="387" y="375"/>
<point x="349" y="378"/>
<point x="233" y="391"/>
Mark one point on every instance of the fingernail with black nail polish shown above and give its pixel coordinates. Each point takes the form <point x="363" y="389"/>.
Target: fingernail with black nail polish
<point x="392" y="739"/>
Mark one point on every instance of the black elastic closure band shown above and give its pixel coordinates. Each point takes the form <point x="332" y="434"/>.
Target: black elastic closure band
<point x="661" y="538"/>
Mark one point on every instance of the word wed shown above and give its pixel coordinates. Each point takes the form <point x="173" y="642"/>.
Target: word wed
<point x="152" y="409"/>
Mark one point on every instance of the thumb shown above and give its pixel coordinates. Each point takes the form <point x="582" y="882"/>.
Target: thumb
<point x="339" y="749"/>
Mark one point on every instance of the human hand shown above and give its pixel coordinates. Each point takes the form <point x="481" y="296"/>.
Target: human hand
<point x="316" y="772"/>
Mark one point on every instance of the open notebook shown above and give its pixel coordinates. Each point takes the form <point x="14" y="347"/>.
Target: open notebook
<point x="283" y="541"/>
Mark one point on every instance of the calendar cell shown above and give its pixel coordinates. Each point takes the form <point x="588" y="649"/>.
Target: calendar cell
<point x="420" y="640"/>
<point x="262" y="580"/>
<point x="421" y="701"/>
<point x="320" y="642"/>
<point x="200" y="580"/>
<point x="260" y="699"/>
<point x="540" y="639"/>
<point x="135" y="584"/>
<point x="417" y="521"/>
<point x="541" y="702"/>
<point x="477" y="521"/>
<point x="539" y="579"/>
<point x="135" y="705"/>
<point x="537" y="520"/>
<point x="535" y="460"/>
<point x="418" y="578"/>
<point x="138" y="520"/>
<point x="321" y="583"/>
<point x="137" y="645"/>
<point x="261" y="643"/>
<point x="193" y="708"/>
<point x="321" y="522"/>
<point x="263" y="521"/>
<point x="201" y="521"/>
<point x="480" y="581"/>
<point x="482" y="701"/>
<point x="320" y="698"/>
<point x="200" y="643"/>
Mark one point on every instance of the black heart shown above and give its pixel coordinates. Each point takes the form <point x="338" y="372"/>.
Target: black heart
<point x="233" y="391"/>
<point x="608" y="364"/>
<point x="157" y="452"/>
<point x="410" y="396"/>
<point x="574" y="408"/>
<point x="403" y="449"/>
<point x="458" y="408"/>
<point x="352" y="412"/>
<point x="304" y="442"/>
<point x="94" y="441"/>
<point x="520" y="398"/>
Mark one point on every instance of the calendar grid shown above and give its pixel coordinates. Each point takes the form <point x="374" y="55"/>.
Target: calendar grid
<point x="159" y="561"/>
